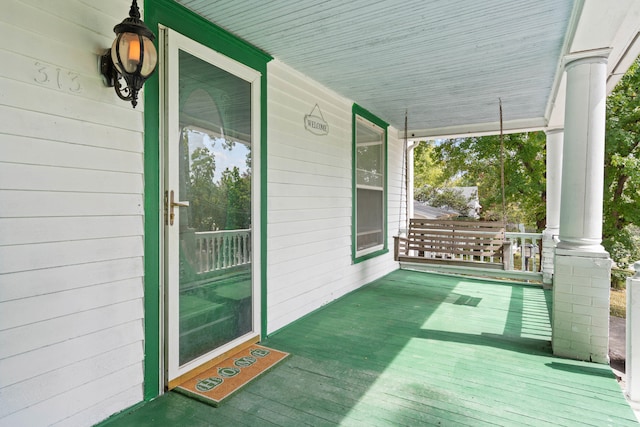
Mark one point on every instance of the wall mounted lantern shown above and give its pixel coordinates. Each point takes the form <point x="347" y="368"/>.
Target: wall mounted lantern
<point x="132" y="57"/>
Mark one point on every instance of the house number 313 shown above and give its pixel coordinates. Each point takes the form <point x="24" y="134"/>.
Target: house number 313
<point x="57" y="78"/>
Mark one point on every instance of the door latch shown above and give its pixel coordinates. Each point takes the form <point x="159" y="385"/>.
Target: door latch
<point x="169" y="205"/>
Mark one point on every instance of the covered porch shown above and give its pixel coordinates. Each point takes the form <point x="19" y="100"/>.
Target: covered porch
<point x="90" y="266"/>
<point x="416" y="348"/>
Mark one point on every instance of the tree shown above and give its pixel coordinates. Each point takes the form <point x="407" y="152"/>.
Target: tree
<point x="201" y="191"/>
<point x="476" y="161"/>
<point x="222" y="205"/>
<point x="427" y="169"/>
<point x="622" y="170"/>
<point x="237" y="191"/>
<point x="429" y="182"/>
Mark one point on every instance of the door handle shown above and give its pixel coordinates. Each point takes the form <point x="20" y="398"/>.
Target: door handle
<point x="174" y="204"/>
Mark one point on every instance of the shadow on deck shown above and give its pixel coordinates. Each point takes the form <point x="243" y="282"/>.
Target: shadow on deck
<point x="415" y="349"/>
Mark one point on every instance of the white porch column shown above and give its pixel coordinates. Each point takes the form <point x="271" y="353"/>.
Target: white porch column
<point x="582" y="267"/>
<point x="633" y="336"/>
<point x="555" y="140"/>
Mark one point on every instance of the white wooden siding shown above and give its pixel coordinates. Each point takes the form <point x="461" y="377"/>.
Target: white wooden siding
<point x="71" y="219"/>
<point x="310" y="200"/>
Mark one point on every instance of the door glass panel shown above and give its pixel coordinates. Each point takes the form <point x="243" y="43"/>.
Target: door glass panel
<point x="215" y="253"/>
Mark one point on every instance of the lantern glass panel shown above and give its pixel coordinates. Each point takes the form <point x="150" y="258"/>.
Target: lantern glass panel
<point x="150" y="57"/>
<point x="125" y="52"/>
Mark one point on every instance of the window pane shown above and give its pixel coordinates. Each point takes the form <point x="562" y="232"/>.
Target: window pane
<point x="370" y="165"/>
<point x="369" y="218"/>
<point x="367" y="132"/>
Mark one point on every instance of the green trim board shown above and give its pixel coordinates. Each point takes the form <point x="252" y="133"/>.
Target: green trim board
<point x="263" y="203"/>
<point x="367" y="115"/>
<point x="175" y="16"/>
<point x="152" y="227"/>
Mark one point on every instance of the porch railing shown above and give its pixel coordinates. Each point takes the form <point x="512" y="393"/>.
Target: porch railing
<point x="525" y="251"/>
<point x="219" y="250"/>
<point x="524" y="261"/>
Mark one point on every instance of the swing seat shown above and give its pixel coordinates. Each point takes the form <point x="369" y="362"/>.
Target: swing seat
<point x="464" y="243"/>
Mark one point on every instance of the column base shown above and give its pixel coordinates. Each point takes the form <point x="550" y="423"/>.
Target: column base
<point x="549" y="243"/>
<point x="633" y="336"/>
<point x="595" y="251"/>
<point x="581" y="284"/>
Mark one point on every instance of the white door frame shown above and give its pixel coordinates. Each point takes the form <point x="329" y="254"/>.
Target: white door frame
<point x="171" y="43"/>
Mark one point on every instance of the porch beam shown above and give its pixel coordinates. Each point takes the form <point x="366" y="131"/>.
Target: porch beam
<point x="582" y="267"/>
<point x="478" y="129"/>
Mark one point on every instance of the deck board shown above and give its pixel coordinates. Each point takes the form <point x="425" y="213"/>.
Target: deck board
<point x="413" y="349"/>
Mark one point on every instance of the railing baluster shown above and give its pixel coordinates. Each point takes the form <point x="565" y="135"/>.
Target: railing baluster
<point x="219" y="254"/>
<point x="202" y="254"/>
<point x="208" y="254"/>
<point x="247" y="247"/>
<point x="236" y="241"/>
<point x="198" y="242"/>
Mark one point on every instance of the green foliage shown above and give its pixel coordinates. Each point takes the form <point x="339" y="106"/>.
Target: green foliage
<point x="223" y="205"/>
<point x="427" y="169"/>
<point x="200" y="191"/>
<point x="237" y="191"/>
<point x="622" y="170"/>
<point x="623" y="245"/>
<point x="619" y="278"/>
<point x="477" y="161"/>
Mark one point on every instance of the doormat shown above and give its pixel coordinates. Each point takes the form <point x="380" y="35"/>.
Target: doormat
<point x="219" y="382"/>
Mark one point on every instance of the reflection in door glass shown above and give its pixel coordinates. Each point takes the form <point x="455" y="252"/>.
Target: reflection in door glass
<point x="215" y="230"/>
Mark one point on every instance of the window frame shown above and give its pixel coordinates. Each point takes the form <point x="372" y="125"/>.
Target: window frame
<point x="382" y="248"/>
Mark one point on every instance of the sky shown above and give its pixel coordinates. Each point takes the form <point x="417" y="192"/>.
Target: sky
<point x="225" y="158"/>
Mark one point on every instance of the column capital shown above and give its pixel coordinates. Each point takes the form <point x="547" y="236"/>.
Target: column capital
<point x="587" y="57"/>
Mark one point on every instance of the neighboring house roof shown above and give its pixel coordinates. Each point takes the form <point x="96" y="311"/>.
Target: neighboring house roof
<point x="429" y="212"/>
<point x="421" y="210"/>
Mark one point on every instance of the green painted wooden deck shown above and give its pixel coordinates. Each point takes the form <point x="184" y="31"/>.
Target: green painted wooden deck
<point x="415" y="349"/>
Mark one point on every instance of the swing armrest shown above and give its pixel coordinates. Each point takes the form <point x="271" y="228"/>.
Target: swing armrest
<point x="400" y="245"/>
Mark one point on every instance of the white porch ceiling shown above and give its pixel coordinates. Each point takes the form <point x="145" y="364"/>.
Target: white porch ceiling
<point x="445" y="62"/>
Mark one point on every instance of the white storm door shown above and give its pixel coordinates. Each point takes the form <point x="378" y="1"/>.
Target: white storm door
<point x="211" y="190"/>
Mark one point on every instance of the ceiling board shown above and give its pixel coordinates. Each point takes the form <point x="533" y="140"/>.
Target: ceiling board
<point x="446" y="62"/>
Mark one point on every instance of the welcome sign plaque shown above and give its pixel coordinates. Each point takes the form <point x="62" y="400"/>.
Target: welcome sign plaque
<point x="315" y="123"/>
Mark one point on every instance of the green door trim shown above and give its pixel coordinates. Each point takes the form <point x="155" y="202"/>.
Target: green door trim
<point x="171" y="14"/>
